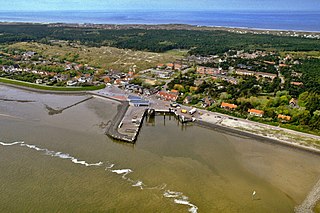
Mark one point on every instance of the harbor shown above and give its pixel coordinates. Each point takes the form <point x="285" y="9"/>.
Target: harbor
<point x="132" y="111"/>
<point x="127" y="123"/>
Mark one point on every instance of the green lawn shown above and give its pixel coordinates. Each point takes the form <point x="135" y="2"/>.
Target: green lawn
<point x="52" y="88"/>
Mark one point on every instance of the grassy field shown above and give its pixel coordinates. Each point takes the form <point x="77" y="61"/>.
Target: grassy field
<point x="102" y="57"/>
<point x="43" y="87"/>
<point x="177" y="52"/>
<point x="299" y="54"/>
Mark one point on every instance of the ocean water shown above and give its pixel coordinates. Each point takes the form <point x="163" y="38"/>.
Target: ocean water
<point x="304" y="21"/>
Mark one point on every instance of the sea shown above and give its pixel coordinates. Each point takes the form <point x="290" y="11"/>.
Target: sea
<point x="276" y="20"/>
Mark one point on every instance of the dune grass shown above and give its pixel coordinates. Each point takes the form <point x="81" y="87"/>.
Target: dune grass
<point x="49" y="88"/>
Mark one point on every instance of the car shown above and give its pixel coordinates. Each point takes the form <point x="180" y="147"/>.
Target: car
<point x="175" y="105"/>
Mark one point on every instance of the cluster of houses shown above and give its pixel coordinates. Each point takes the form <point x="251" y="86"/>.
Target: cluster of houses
<point x="168" y="96"/>
<point x="202" y="59"/>
<point x="218" y="73"/>
<point x="85" y="79"/>
<point x="244" y="72"/>
<point x="159" y="73"/>
<point x="172" y="66"/>
<point x="259" y="113"/>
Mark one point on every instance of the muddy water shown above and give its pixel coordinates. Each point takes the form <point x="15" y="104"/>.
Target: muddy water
<point x="317" y="208"/>
<point x="64" y="163"/>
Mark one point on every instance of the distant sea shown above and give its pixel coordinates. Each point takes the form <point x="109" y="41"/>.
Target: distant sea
<point x="300" y="21"/>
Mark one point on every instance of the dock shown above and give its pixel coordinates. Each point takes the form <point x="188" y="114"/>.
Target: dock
<point x="127" y="123"/>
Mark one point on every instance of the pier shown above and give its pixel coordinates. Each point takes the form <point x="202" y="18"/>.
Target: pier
<point x="127" y="123"/>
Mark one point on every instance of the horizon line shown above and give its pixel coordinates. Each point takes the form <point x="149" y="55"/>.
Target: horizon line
<point x="160" y="10"/>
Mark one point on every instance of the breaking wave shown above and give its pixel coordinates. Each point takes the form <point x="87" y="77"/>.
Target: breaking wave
<point x="177" y="197"/>
<point x="52" y="153"/>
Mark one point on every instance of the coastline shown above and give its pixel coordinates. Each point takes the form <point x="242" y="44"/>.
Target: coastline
<point x="211" y="122"/>
<point x="43" y="89"/>
<point x="261" y="138"/>
<point x="167" y="26"/>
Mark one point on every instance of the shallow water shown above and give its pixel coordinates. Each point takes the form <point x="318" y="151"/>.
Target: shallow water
<point x="317" y="208"/>
<point x="72" y="166"/>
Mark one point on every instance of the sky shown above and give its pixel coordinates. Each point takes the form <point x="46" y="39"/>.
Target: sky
<point x="160" y="5"/>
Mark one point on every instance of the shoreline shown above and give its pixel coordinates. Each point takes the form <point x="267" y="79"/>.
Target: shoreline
<point x="43" y="89"/>
<point x="163" y="26"/>
<point x="233" y="131"/>
<point x="124" y="105"/>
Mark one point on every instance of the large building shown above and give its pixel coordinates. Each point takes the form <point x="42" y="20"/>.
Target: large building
<point x="137" y="101"/>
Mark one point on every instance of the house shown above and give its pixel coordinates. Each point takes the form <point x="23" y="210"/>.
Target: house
<point x="284" y="117"/>
<point x="207" y="70"/>
<point x="82" y="80"/>
<point x="170" y="66"/>
<point x="130" y="74"/>
<point x="174" y="92"/>
<point x="160" y="66"/>
<point x="256" y="112"/>
<point x="270" y="62"/>
<point x="29" y="54"/>
<point x="167" y="96"/>
<point x="296" y="83"/>
<point x="294" y="103"/>
<point x="206" y="102"/>
<point x="106" y="79"/>
<point x="177" y="66"/>
<point x="228" y="106"/>
<point x="245" y="72"/>
<point x="265" y="75"/>
<point x="71" y="83"/>
<point x="39" y="81"/>
<point x="187" y="100"/>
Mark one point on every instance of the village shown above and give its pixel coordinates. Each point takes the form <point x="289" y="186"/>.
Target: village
<point x="204" y="82"/>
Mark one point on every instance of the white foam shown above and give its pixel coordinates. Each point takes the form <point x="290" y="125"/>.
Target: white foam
<point x="122" y="171"/>
<point x="171" y="194"/>
<point x="33" y="147"/>
<point x="11" y="144"/>
<point x="53" y="153"/>
<point x="138" y="184"/>
<point x="62" y="155"/>
<point x="183" y="202"/>
<point x="125" y="172"/>
<point x="181" y="199"/>
<point x="110" y="166"/>
<point x="193" y="209"/>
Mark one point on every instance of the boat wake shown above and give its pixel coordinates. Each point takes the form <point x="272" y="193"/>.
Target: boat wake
<point x="176" y="197"/>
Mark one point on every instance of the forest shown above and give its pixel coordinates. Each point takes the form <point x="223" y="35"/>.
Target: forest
<point x="197" y="42"/>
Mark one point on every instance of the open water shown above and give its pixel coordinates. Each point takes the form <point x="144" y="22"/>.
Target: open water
<point x="294" y="20"/>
